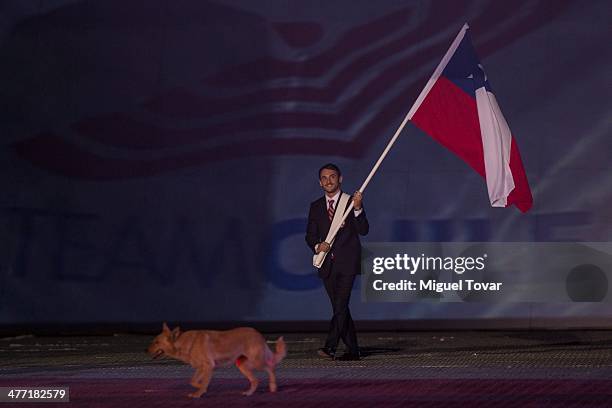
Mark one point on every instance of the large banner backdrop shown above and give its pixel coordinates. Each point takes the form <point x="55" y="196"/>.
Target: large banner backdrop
<point x="159" y="157"/>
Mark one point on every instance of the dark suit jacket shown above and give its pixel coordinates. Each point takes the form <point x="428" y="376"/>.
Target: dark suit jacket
<point x="346" y="247"/>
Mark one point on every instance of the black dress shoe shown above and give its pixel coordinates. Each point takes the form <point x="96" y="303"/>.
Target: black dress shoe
<point x="350" y="357"/>
<point x="326" y="352"/>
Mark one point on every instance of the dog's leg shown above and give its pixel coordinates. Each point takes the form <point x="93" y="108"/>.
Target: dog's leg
<point x="195" y="380"/>
<point x="244" y="369"/>
<point x="202" y="380"/>
<point x="272" y="378"/>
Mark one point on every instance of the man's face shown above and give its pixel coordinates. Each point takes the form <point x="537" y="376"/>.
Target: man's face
<point x="329" y="180"/>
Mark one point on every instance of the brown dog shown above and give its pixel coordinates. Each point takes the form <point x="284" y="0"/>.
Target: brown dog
<point x="205" y="349"/>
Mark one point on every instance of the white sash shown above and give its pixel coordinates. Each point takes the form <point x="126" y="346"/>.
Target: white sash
<point x="317" y="259"/>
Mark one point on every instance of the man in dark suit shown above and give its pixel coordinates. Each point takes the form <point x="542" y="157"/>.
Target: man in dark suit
<point x="343" y="260"/>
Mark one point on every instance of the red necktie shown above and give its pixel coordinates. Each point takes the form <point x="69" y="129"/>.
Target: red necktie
<point x="330" y="210"/>
<point x="330" y="214"/>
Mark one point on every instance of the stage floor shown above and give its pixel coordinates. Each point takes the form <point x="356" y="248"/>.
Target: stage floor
<point x="475" y="368"/>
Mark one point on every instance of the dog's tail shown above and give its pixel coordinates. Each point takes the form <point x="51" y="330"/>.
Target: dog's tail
<point x="281" y="350"/>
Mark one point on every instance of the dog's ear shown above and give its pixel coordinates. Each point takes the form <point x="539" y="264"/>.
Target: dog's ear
<point x="165" y="328"/>
<point x="176" y="332"/>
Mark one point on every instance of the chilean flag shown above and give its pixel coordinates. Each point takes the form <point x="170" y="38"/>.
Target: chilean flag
<point x="458" y="109"/>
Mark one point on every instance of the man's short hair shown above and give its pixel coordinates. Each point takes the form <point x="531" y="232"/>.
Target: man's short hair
<point x="330" y="166"/>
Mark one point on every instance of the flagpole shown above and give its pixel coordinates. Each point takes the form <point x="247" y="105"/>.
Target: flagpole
<point x="438" y="71"/>
<point x="417" y="102"/>
<point x="318" y="260"/>
<point x="320" y="257"/>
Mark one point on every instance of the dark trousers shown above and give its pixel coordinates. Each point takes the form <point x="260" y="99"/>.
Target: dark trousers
<point x="341" y="326"/>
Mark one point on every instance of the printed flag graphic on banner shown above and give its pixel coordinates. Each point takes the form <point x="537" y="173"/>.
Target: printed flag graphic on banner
<point x="458" y="109"/>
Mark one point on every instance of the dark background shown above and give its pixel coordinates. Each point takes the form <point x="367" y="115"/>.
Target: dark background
<point x="158" y="157"/>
